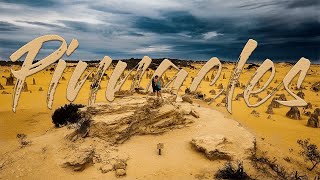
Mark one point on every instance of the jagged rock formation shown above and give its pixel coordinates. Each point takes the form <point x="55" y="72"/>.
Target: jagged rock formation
<point x="274" y="103"/>
<point x="79" y="159"/>
<point x="154" y="117"/>
<point x="301" y="94"/>
<point x="282" y="97"/>
<point x="224" y="100"/>
<point x="187" y="91"/>
<point x="25" y="87"/>
<point x="269" y="110"/>
<point x="213" y="147"/>
<point x="308" y="106"/>
<point x="255" y="113"/>
<point x="313" y="121"/>
<point x="294" y="113"/>
<point x="317" y="111"/>
<point x="240" y="95"/>
<point x="9" y="80"/>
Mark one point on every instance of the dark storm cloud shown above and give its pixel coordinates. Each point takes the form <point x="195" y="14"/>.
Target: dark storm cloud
<point x="303" y="4"/>
<point x="172" y="22"/>
<point x="5" y="26"/>
<point x="11" y="44"/>
<point x="284" y="29"/>
<point x="34" y="3"/>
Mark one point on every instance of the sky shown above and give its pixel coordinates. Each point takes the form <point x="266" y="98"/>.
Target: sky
<point x="285" y="30"/>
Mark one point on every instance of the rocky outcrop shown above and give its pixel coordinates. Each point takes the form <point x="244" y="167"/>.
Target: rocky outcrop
<point x="9" y="80"/>
<point x="255" y="113"/>
<point x="269" y="110"/>
<point x="120" y="168"/>
<point x="317" y="111"/>
<point x="79" y="159"/>
<point x="187" y="98"/>
<point x="294" y="113"/>
<point x="154" y="117"/>
<point x="301" y="94"/>
<point x="240" y="95"/>
<point x="274" y="103"/>
<point x="313" y="121"/>
<point x="214" y="147"/>
<point x="25" y="87"/>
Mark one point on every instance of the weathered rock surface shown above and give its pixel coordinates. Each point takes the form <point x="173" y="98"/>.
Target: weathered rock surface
<point x="106" y="168"/>
<point x="103" y="140"/>
<point x="154" y="117"/>
<point x="294" y="113"/>
<point x="313" y="121"/>
<point x="214" y="147"/>
<point x="269" y="110"/>
<point x="187" y="98"/>
<point x="79" y="159"/>
<point x="194" y="113"/>
<point x="120" y="172"/>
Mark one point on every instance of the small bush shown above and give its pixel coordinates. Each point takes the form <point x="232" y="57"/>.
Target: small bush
<point x="66" y="114"/>
<point x="231" y="171"/>
<point x="310" y="152"/>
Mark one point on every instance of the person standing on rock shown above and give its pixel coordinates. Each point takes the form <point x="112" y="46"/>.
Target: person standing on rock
<point x="156" y="86"/>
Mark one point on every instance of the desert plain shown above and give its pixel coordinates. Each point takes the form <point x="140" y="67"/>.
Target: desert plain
<point x="271" y="135"/>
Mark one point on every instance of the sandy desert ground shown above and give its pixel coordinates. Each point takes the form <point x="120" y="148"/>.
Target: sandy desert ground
<point x="276" y="135"/>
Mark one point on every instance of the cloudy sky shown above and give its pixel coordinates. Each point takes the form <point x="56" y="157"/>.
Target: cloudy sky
<point x="185" y="29"/>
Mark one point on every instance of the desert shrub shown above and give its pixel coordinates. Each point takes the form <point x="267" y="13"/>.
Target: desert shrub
<point x="232" y="171"/>
<point x="310" y="152"/>
<point x="66" y="114"/>
<point x="22" y="139"/>
<point x="269" y="166"/>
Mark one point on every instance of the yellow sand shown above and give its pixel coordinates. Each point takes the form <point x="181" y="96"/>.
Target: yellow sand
<point x="277" y="135"/>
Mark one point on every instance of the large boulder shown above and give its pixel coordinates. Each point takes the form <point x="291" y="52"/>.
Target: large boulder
<point x="274" y="103"/>
<point x="294" y="113"/>
<point x="9" y="80"/>
<point x="214" y="147"/>
<point x="317" y="111"/>
<point x="313" y="121"/>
